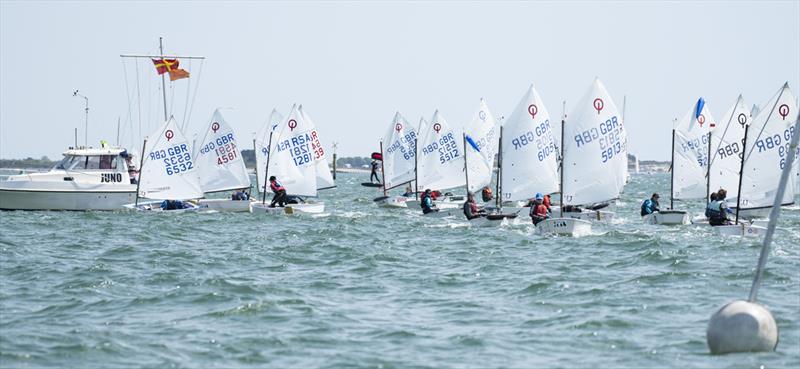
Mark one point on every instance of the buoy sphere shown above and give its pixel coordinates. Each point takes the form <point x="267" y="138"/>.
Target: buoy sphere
<point x="742" y="326"/>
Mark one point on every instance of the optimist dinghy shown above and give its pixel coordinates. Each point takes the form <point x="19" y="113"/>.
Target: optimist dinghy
<point x="220" y="165"/>
<point x="398" y="160"/>
<point x="594" y="147"/>
<point x="293" y="157"/>
<point x="169" y="171"/>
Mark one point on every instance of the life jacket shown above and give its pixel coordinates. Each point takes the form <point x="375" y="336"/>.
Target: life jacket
<point x="470" y="209"/>
<point x="546" y="202"/>
<point x="425" y="202"/>
<point x="715" y="214"/>
<point x="538" y="211"/>
<point x="647" y="207"/>
<point x="276" y="186"/>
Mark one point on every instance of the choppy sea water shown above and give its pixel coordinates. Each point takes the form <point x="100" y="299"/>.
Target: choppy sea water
<point x="368" y="287"/>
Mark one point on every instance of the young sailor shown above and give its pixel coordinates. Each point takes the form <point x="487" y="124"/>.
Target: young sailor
<point x="538" y="210"/>
<point x="486" y="194"/>
<point x="650" y="205"/>
<point x="409" y="191"/>
<point x="717" y="210"/>
<point x="427" y="203"/>
<point x="471" y="208"/>
<point x="279" y="191"/>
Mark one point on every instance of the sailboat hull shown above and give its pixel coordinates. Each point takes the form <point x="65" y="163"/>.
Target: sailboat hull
<point x="262" y="208"/>
<point x="668" y="217"/>
<point x="14" y="199"/>
<point x="446" y="203"/>
<point x="392" y="202"/>
<point x="565" y="227"/>
<point x="226" y="205"/>
<point x="741" y="229"/>
<point x="443" y="213"/>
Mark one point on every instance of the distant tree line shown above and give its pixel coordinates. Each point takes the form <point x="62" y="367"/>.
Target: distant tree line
<point x="41" y="163"/>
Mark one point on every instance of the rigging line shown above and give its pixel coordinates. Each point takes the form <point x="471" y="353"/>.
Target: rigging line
<point x="172" y="100"/>
<point x="186" y="104"/>
<point x="127" y="95"/>
<point x="139" y="99"/>
<point x="194" y="95"/>
<point x="772" y="110"/>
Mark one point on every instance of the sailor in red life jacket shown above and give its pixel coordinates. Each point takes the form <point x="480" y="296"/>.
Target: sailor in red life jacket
<point x="546" y="202"/>
<point x="538" y="211"/>
<point x="279" y="191"/>
<point x="471" y="208"/>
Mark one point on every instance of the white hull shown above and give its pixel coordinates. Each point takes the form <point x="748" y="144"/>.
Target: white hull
<point x="742" y="229"/>
<point x="155" y="206"/>
<point x="311" y="208"/>
<point x="443" y="213"/>
<point x="590" y="215"/>
<point x="668" y="217"/>
<point x="565" y="227"/>
<point x="492" y="221"/>
<point x="393" y="202"/>
<point x="226" y="205"/>
<point x="20" y="199"/>
<point x="752" y="213"/>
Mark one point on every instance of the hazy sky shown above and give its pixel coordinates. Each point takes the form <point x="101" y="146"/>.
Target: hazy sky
<point x="352" y="63"/>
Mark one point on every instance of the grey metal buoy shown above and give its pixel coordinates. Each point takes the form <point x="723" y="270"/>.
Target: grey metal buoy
<point x="745" y="326"/>
<point x="742" y="326"/>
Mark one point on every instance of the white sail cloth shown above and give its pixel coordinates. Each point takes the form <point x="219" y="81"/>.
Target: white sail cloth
<point x="440" y="162"/>
<point x="169" y="170"/>
<point x="219" y="160"/>
<point x="482" y="136"/>
<point x="291" y="157"/>
<point x="690" y="159"/>
<point x="594" y="149"/>
<point x="324" y="176"/>
<point x="262" y="146"/>
<point x="398" y="152"/>
<point x="768" y="138"/>
<point x="727" y="149"/>
<point x="529" y="152"/>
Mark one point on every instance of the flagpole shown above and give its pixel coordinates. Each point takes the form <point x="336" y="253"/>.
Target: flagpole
<point x="163" y="79"/>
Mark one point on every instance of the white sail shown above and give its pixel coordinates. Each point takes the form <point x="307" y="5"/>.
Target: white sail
<point x="765" y="154"/>
<point x="324" y="176"/>
<point x="529" y="151"/>
<point x="690" y="159"/>
<point x="169" y="171"/>
<point x="398" y="152"/>
<point x="291" y="157"/>
<point x="262" y="146"/>
<point x="219" y="160"/>
<point x="482" y="139"/>
<point x="594" y="149"/>
<point x="726" y="149"/>
<point x="440" y="163"/>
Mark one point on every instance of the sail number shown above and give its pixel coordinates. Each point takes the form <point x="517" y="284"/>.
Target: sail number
<point x="405" y="144"/>
<point x="303" y="148"/>
<point x="445" y="146"/>
<point x="610" y="134"/>
<point x="542" y="136"/>
<point x="176" y="159"/>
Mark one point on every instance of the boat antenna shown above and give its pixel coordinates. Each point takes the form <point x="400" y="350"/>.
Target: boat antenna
<point x="86" y="109"/>
<point x="163" y="77"/>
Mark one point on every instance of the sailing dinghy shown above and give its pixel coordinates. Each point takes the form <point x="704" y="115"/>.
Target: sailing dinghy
<point x="440" y="164"/>
<point x="765" y="142"/>
<point x="398" y="157"/>
<point x="169" y="171"/>
<point x="593" y="148"/>
<point x="261" y="147"/>
<point x="294" y="148"/>
<point x="220" y="165"/>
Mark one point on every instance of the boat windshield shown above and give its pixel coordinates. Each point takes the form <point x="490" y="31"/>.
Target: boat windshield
<point x="81" y="162"/>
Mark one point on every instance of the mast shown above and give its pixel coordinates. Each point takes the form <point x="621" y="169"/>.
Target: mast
<point x="118" y="119"/>
<point x="266" y="170"/>
<point x="255" y="156"/>
<point x="416" y="180"/>
<point x="383" y="173"/>
<point x="466" y="168"/>
<point x="741" y="172"/>
<point x="163" y="79"/>
<point x="561" y="165"/>
<point x="498" y="196"/>
<point x="672" y="172"/>
<point x="708" y="170"/>
<point x="139" y="179"/>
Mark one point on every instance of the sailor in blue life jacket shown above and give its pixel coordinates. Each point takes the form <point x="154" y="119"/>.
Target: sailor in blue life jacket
<point x="711" y="198"/>
<point x="427" y="203"/>
<point x="240" y="196"/>
<point x="650" y="205"/>
<point x="173" y="205"/>
<point x="279" y="191"/>
<point x="717" y="210"/>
